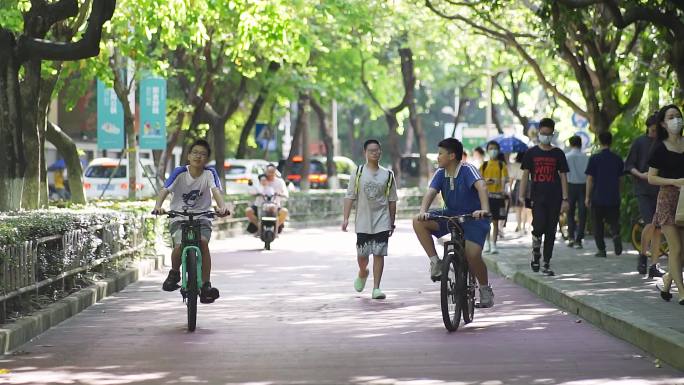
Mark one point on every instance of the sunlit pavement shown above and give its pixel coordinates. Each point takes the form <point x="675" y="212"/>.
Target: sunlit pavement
<point x="291" y="316"/>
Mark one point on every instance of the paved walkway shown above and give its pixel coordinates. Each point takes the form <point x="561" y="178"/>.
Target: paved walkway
<point x="607" y="291"/>
<point x="290" y="316"/>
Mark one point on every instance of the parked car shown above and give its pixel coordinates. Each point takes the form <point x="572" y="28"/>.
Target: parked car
<point x="239" y="173"/>
<point x="318" y="174"/>
<point x="97" y="178"/>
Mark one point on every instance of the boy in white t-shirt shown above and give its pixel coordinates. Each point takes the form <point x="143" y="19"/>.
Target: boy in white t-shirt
<point x="192" y="187"/>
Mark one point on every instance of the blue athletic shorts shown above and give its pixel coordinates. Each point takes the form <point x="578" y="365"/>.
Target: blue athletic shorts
<point x="473" y="231"/>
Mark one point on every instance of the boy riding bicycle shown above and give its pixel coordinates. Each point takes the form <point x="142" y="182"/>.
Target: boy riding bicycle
<point x="192" y="187"/>
<point x="464" y="192"/>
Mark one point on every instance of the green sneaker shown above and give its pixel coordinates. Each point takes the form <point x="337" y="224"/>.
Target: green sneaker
<point x="360" y="283"/>
<point x="377" y="294"/>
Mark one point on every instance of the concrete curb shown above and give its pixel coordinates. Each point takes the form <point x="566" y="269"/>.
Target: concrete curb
<point x="667" y="345"/>
<point x="14" y="335"/>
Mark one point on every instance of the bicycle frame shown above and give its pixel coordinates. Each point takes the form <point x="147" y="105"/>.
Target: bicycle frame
<point x="190" y="240"/>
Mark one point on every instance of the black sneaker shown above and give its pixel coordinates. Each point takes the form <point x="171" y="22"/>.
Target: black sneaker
<point x="547" y="270"/>
<point x="535" y="266"/>
<point x="171" y="282"/>
<point x="601" y="254"/>
<point x="578" y="244"/>
<point x="208" y="294"/>
<point x="655" y="271"/>
<point x="641" y="264"/>
<point x="571" y="244"/>
<point x="617" y="242"/>
<point x="252" y="228"/>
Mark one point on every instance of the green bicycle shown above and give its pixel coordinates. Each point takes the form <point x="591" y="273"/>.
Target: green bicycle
<point x="191" y="260"/>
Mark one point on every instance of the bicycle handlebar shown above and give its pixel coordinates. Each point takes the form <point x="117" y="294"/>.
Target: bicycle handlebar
<point x="458" y="218"/>
<point x="174" y="213"/>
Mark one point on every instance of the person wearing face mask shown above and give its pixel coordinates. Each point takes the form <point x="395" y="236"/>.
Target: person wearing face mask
<point x="665" y="170"/>
<point x="495" y="174"/>
<point x="548" y="168"/>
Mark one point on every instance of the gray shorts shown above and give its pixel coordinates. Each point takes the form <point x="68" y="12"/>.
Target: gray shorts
<point x="176" y="231"/>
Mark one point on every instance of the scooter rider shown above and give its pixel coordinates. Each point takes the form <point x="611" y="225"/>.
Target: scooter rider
<point x="273" y="185"/>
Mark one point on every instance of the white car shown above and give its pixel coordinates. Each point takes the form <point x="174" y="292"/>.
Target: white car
<point x="239" y="172"/>
<point x="97" y="179"/>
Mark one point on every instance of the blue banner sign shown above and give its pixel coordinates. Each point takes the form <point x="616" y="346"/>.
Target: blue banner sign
<point x="110" y="119"/>
<point x="264" y="137"/>
<point x="153" y="113"/>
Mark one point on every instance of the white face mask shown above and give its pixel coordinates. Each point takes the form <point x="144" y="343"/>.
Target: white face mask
<point x="674" y="126"/>
<point x="493" y="154"/>
<point x="545" y="139"/>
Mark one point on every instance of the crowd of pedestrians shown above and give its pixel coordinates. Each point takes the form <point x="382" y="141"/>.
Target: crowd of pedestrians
<point x="541" y="182"/>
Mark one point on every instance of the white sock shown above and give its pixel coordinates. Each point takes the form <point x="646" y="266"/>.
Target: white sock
<point x="434" y="259"/>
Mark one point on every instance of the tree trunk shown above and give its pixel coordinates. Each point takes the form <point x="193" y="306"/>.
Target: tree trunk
<point x="306" y="156"/>
<point x="329" y="145"/>
<point x="13" y="162"/>
<point x="677" y="63"/>
<point x="410" y="134"/>
<point x="409" y="75"/>
<point x="219" y="128"/>
<point x="393" y="144"/>
<point x="653" y="92"/>
<point x="495" y="119"/>
<point x="171" y="143"/>
<point x="241" y="151"/>
<point x="295" y="148"/>
<point x="67" y="148"/>
<point x="30" y="88"/>
<point x="350" y="134"/>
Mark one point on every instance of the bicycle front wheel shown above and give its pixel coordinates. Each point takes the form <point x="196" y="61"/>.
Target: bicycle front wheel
<point x="469" y="298"/>
<point x="452" y="291"/>
<point x="192" y="291"/>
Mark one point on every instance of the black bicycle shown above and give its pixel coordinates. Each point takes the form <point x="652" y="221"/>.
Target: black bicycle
<point x="457" y="289"/>
<point x="191" y="260"/>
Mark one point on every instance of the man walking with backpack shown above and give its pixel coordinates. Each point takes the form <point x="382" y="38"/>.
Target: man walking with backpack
<point x="495" y="174"/>
<point x="374" y="189"/>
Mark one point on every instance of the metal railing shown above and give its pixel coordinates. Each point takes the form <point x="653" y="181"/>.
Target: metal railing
<point x="31" y="265"/>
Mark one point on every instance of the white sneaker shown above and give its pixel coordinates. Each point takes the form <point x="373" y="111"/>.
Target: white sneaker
<point x="487" y="247"/>
<point x="486" y="297"/>
<point x="436" y="270"/>
<point x="494" y="249"/>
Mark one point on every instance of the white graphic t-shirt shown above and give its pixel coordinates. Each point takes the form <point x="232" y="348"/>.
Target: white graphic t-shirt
<point x="372" y="202"/>
<point x="193" y="194"/>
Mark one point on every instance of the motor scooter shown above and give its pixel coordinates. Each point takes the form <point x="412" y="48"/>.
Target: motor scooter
<point x="268" y="217"/>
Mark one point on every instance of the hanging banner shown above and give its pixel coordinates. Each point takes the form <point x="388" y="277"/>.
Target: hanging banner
<point x="110" y="119"/>
<point x="264" y="137"/>
<point x="153" y="113"/>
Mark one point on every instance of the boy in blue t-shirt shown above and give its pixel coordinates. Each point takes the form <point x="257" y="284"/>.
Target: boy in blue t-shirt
<point x="464" y="192"/>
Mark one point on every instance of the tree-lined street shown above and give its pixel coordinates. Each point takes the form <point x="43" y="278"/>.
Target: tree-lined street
<point x="291" y="316"/>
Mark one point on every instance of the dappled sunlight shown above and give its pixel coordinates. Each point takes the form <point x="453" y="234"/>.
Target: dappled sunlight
<point x="293" y="317"/>
<point x="75" y="375"/>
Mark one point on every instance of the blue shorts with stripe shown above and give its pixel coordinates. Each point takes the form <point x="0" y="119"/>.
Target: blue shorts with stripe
<point x="473" y="231"/>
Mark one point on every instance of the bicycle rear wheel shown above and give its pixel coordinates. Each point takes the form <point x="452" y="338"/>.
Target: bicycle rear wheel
<point x="192" y="291"/>
<point x="452" y="291"/>
<point x="469" y="298"/>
